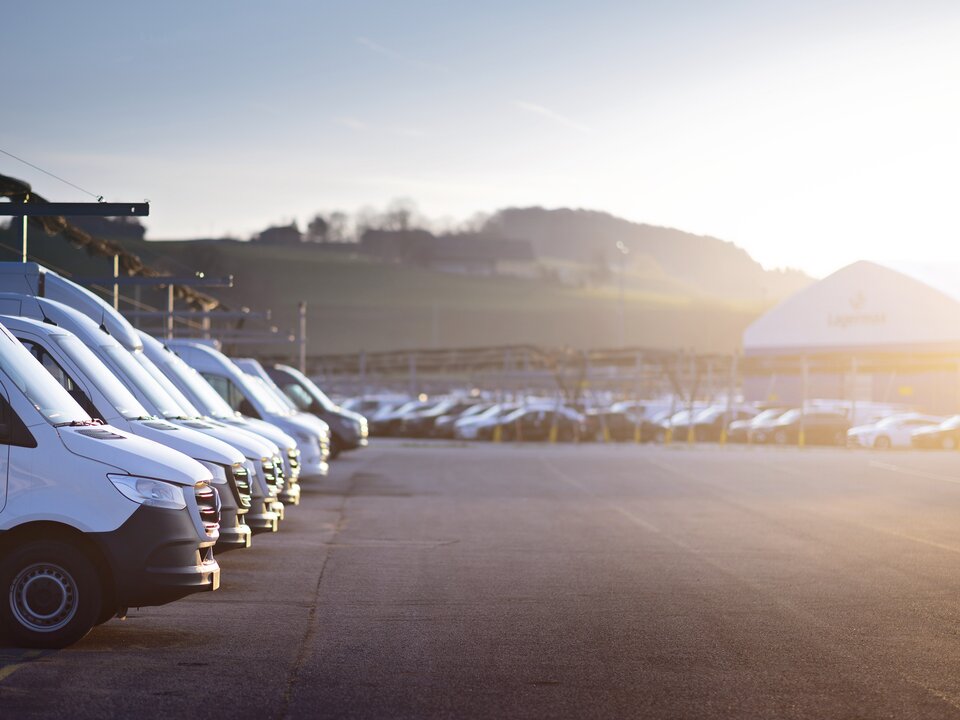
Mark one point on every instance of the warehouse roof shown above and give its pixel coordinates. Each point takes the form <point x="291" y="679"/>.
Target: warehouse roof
<point x="861" y="306"/>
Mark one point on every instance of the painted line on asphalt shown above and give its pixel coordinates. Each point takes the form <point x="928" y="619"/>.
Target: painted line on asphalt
<point x="635" y="519"/>
<point x="915" y="473"/>
<point x="8" y="670"/>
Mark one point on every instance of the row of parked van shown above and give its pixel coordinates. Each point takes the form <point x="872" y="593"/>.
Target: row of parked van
<point x="126" y="462"/>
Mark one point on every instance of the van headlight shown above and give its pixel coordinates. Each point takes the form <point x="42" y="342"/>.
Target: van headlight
<point x="145" y="491"/>
<point x="218" y="471"/>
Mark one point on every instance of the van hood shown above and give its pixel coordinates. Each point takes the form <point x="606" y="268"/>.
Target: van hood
<point x="302" y="422"/>
<point x="132" y="455"/>
<point x="189" y="442"/>
<point x="250" y="445"/>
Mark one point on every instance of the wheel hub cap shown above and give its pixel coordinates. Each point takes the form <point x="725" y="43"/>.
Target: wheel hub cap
<point x="43" y="597"/>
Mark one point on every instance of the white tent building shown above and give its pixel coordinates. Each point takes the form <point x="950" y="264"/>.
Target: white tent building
<point x="864" y="333"/>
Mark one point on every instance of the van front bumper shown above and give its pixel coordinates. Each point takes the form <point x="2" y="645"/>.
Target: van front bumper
<point x="290" y="495"/>
<point x="264" y="520"/>
<point x="156" y="557"/>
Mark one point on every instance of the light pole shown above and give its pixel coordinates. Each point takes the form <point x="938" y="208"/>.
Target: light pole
<point x="624" y="251"/>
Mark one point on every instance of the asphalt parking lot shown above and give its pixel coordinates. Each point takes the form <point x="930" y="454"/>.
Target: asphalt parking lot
<point x="447" y="581"/>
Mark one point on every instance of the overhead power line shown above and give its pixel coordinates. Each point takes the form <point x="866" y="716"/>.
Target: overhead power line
<point x="98" y="198"/>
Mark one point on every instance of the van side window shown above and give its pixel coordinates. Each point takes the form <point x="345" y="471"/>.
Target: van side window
<point x="51" y="365"/>
<point x="225" y="388"/>
<point x="12" y="429"/>
<point x="61" y="376"/>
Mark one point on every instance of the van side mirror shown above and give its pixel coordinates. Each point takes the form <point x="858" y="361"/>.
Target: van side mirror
<point x="247" y="408"/>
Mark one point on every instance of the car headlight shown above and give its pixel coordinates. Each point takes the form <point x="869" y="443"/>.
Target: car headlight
<point x="154" y="493"/>
<point x="218" y="471"/>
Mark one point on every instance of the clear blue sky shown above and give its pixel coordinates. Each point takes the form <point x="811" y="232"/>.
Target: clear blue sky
<point x="812" y="133"/>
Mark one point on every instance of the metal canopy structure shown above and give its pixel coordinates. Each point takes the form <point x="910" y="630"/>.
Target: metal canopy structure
<point x="74" y="209"/>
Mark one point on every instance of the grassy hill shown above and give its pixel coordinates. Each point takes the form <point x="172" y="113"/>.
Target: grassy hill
<point x="360" y="304"/>
<point x="356" y="303"/>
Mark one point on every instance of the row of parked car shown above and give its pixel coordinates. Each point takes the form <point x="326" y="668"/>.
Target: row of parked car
<point x="823" y="422"/>
<point x="126" y="463"/>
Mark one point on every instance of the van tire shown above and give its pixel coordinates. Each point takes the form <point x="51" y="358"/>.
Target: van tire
<point x="882" y="443"/>
<point x="948" y="443"/>
<point x="50" y="594"/>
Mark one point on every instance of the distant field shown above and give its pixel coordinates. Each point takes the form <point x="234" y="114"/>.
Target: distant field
<point x="356" y="304"/>
<point x="359" y="304"/>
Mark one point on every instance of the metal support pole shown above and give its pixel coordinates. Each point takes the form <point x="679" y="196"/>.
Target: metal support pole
<point x="24" y="253"/>
<point x="412" y="360"/>
<point x="693" y="373"/>
<point x="363" y="372"/>
<point x="804" y="370"/>
<point x="637" y="395"/>
<point x="731" y="404"/>
<point x="854" y="371"/>
<point x="302" y="315"/>
<point x="116" y="286"/>
<point x="169" y="328"/>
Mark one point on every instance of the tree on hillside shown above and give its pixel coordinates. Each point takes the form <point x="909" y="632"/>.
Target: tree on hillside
<point x="318" y="229"/>
<point x="399" y="215"/>
<point x="338" y="227"/>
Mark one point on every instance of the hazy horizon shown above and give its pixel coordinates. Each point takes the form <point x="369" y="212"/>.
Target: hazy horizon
<point x="810" y="136"/>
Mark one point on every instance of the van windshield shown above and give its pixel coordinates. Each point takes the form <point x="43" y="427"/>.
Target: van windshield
<point x="300" y="398"/>
<point x="139" y="378"/>
<point x="208" y="400"/>
<point x="309" y="387"/>
<point x="258" y="389"/>
<point x="115" y="392"/>
<point x="44" y="393"/>
<point x="163" y="381"/>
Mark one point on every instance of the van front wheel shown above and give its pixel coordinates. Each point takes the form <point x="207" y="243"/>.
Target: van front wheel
<point x="51" y="595"/>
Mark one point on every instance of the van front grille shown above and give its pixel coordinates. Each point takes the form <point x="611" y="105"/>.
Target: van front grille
<point x="208" y="503"/>
<point x="241" y="481"/>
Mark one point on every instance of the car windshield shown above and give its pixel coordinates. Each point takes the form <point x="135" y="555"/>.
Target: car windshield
<point x="892" y="421"/>
<point x="478" y="410"/>
<point x="115" y="392"/>
<point x="790" y="416"/>
<point x="47" y="395"/>
<point x="771" y="414"/>
<point x="139" y="378"/>
<point x="708" y="415"/>
<point x="516" y="414"/>
<point x="407" y="407"/>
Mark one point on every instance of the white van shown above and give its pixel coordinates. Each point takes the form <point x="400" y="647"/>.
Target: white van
<point x="247" y="395"/>
<point x="203" y="397"/>
<point x="132" y="523"/>
<point x="83" y="359"/>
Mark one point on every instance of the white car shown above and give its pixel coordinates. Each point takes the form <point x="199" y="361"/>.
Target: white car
<point x="468" y="428"/>
<point x="890" y="432"/>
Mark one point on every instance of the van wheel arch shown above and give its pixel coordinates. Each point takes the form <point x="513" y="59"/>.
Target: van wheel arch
<point x="49" y="530"/>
